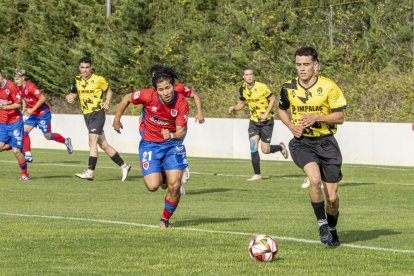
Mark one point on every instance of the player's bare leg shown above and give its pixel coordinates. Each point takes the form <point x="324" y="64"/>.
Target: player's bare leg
<point x="317" y="200"/>
<point x="153" y="181"/>
<point x="114" y="155"/>
<point x="173" y="196"/>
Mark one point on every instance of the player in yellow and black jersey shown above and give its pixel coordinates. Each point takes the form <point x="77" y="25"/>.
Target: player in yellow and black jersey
<point x="316" y="107"/>
<point x="260" y="101"/>
<point x="91" y="88"/>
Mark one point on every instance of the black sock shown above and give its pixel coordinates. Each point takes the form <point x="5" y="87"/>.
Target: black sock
<point x="319" y="209"/>
<point x="256" y="162"/>
<point x="275" y="148"/>
<point x="332" y="220"/>
<point x="92" y="162"/>
<point x="117" y="159"/>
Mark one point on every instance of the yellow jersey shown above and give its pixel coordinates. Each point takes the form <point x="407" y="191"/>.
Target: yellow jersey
<point x="323" y="97"/>
<point x="90" y="92"/>
<point x="257" y="99"/>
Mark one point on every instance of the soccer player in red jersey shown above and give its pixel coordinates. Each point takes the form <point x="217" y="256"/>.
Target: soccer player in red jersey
<point x="36" y="114"/>
<point x="11" y="124"/>
<point x="164" y="128"/>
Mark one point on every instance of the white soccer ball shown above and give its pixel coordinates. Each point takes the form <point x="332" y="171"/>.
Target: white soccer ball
<point x="263" y="248"/>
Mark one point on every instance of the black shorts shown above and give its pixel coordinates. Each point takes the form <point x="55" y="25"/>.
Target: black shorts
<point x="95" y="121"/>
<point x="322" y="150"/>
<point x="263" y="129"/>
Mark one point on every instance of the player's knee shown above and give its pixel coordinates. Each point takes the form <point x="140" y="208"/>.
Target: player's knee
<point x="266" y="150"/>
<point x="315" y="181"/>
<point x="47" y="135"/>
<point x="332" y="197"/>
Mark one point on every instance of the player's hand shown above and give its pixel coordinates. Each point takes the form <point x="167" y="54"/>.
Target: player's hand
<point x="70" y="97"/>
<point x="1" y="107"/>
<point x="165" y="134"/>
<point x="117" y="125"/>
<point x="199" y="118"/>
<point x="105" y="106"/>
<point x="262" y="117"/>
<point x="232" y="109"/>
<point x="297" y="131"/>
<point x="308" y="120"/>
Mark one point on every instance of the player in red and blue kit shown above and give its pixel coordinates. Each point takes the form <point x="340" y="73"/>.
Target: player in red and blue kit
<point x="11" y="124"/>
<point x="164" y="128"/>
<point x="36" y="114"/>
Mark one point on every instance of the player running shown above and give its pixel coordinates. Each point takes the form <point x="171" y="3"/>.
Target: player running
<point x="11" y="123"/>
<point x="36" y="113"/>
<point x="91" y="88"/>
<point x="164" y="128"/>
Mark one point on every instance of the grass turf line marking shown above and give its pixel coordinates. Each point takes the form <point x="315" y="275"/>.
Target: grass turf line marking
<point x="104" y="221"/>
<point x="198" y="173"/>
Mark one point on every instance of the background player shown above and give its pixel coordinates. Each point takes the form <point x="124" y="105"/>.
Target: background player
<point x="164" y="128"/>
<point x="90" y="88"/>
<point x="318" y="105"/>
<point x="11" y="123"/>
<point x="36" y="113"/>
<point x="260" y="102"/>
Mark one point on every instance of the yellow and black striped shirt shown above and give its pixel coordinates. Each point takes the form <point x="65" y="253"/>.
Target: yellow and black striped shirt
<point x="257" y="99"/>
<point x="90" y="92"/>
<point x="323" y="97"/>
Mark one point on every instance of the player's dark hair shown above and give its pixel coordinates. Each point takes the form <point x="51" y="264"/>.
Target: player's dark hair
<point x="307" y="51"/>
<point x="155" y="68"/>
<point x="167" y="73"/>
<point x="85" y="60"/>
<point x="247" y="68"/>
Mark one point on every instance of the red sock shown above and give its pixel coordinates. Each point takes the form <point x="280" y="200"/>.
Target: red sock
<point x="169" y="208"/>
<point x="58" y="138"/>
<point x="23" y="167"/>
<point x="26" y="142"/>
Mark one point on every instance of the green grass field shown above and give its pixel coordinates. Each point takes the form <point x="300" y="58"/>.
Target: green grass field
<point x="59" y="224"/>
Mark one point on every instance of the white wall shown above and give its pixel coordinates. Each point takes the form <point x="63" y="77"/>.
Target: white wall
<point x="361" y="143"/>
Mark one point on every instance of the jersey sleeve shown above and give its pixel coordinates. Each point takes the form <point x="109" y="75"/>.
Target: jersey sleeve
<point x="35" y="91"/>
<point x="183" y="89"/>
<point x="241" y="97"/>
<point x="336" y="99"/>
<point x="73" y="88"/>
<point x="284" y="102"/>
<point x="137" y="97"/>
<point x="182" y="116"/>
<point x="103" y="84"/>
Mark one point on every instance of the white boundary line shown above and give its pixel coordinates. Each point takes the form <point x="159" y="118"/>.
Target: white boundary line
<point x="197" y="173"/>
<point x="104" y="221"/>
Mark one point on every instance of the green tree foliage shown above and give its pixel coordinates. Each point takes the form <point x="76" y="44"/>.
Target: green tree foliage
<point x="365" y="46"/>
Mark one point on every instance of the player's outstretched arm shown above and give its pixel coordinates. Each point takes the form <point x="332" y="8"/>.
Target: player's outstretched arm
<point x="237" y="107"/>
<point x="117" y="125"/>
<point x="197" y="100"/>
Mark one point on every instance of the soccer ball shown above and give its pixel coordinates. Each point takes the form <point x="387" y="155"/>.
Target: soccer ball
<point x="263" y="248"/>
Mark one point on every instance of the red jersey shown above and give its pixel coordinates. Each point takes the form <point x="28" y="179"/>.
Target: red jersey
<point x="9" y="95"/>
<point x="31" y="93"/>
<point x="181" y="89"/>
<point x="158" y="116"/>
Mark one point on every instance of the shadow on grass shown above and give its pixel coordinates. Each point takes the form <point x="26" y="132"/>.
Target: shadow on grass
<point x="192" y="222"/>
<point x="50" y="177"/>
<point x="362" y="235"/>
<point x="63" y="162"/>
<point x="208" y="191"/>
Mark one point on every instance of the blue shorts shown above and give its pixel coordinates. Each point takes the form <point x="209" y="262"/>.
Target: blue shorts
<point x="162" y="156"/>
<point x="42" y="122"/>
<point x="12" y="134"/>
